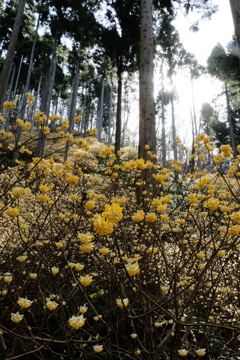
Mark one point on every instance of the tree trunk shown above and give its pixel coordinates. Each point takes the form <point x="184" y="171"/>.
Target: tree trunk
<point x="193" y="107"/>
<point x="175" y="155"/>
<point x="110" y="116"/>
<point x="119" y="109"/>
<point x="73" y="104"/>
<point x="230" y="121"/>
<point x="100" y="121"/>
<point x="147" y="128"/>
<point x="164" y="152"/>
<point x="147" y="131"/>
<point x="235" y="7"/>
<point x="26" y="89"/>
<point x="11" y="51"/>
<point x="36" y="102"/>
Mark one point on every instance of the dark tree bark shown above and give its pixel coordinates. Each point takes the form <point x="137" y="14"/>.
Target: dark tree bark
<point x="235" y="7"/>
<point x="119" y="109"/>
<point x="147" y="131"/>
<point x="11" y="51"/>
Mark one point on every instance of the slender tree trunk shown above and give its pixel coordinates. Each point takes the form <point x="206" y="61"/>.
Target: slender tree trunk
<point x="164" y="152"/>
<point x="17" y="79"/>
<point x="147" y="131"/>
<point x="174" y="133"/>
<point x="110" y="116"/>
<point x="73" y="104"/>
<point x="175" y="154"/>
<point x="26" y="89"/>
<point x="147" y="128"/>
<point x="100" y="121"/>
<point x="235" y="7"/>
<point x="230" y="121"/>
<point x="36" y="102"/>
<point x="194" y="110"/>
<point x="30" y="66"/>
<point x="119" y="109"/>
<point x="11" y="51"/>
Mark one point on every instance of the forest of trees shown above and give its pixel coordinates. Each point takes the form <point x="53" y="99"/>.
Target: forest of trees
<point x="81" y="57"/>
<point x="118" y="239"/>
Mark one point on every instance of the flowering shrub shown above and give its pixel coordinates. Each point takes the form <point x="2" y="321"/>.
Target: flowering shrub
<point x="155" y="280"/>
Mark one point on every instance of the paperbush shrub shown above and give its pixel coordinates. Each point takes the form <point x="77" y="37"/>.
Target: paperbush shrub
<point x="89" y="271"/>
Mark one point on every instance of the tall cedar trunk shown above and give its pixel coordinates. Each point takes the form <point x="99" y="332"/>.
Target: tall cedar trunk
<point x="193" y="107"/>
<point x="164" y="151"/>
<point x="174" y="133"/>
<point x="46" y="98"/>
<point x="230" y="121"/>
<point x="100" y="119"/>
<point x="73" y="104"/>
<point x="147" y="131"/>
<point x="175" y="154"/>
<point x="110" y="116"/>
<point x="119" y="109"/>
<point x="26" y="89"/>
<point x="11" y="51"/>
<point x="147" y="128"/>
<point x="35" y="103"/>
<point x="235" y="7"/>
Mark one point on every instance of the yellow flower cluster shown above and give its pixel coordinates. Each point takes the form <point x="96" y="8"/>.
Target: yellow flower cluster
<point x="24" y="303"/>
<point x="76" y="321"/>
<point x="25" y="125"/>
<point x="122" y="303"/>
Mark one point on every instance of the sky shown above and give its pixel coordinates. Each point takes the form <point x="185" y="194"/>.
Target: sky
<point x="217" y="30"/>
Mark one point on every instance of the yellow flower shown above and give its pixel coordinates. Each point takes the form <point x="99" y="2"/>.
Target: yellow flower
<point x="54" y="270"/>
<point x="98" y="348"/>
<point x="54" y="118"/>
<point x="151" y="217"/>
<point x="102" y="226"/>
<point x="104" y="250"/>
<point x="153" y="250"/>
<point x="90" y="205"/>
<point x="201" y="157"/>
<point x="8" y="104"/>
<point x="8" y="278"/>
<point x="132" y="269"/>
<point x="21" y="258"/>
<point x="83" y="309"/>
<point x="85" y="280"/>
<point x="133" y="336"/>
<point x="65" y="124"/>
<point x="51" y="305"/>
<point x="72" y="180"/>
<point x="138" y="216"/>
<point x="24" y="303"/>
<point x="78" y="118"/>
<point x="113" y="213"/>
<point x="200" y="255"/>
<point x="79" y="267"/>
<point x="182" y="352"/>
<point x="43" y="198"/>
<point x="221" y="253"/>
<point x="137" y="352"/>
<point x="87" y="248"/>
<point x="3" y="292"/>
<point x="85" y="239"/>
<point x="33" y="276"/>
<point x="122" y="303"/>
<point x="76" y="321"/>
<point x="201" y="352"/>
<point x="16" y="318"/>
<point x="212" y="203"/>
<point x="12" y="212"/>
